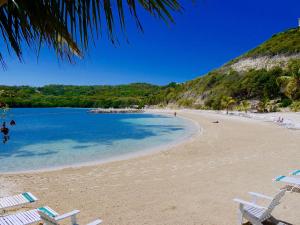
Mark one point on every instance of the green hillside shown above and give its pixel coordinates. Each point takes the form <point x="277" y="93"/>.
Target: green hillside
<point x="253" y="83"/>
<point x="287" y="43"/>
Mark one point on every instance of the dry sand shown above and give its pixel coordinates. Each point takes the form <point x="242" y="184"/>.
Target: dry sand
<point x="191" y="183"/>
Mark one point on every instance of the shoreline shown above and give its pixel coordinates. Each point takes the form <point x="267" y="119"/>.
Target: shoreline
<point x="291" y="120"/>
<point x="164" y="147"/>
<point x="190" y="183"/>
<point x="131" y="155"/>
<point x="264" y="117"/>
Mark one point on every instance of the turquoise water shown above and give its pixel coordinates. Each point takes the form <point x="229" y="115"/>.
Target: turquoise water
<point x="55" y="137"/>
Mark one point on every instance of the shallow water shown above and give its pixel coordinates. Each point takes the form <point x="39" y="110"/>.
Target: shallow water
<point x="56" y="137"/>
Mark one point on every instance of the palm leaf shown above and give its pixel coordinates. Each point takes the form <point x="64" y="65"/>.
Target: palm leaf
<point x="291" y="88"/>
<point x="68" y="26"/>
<point x="288" y="85"/>
<point x="283" y="81"/>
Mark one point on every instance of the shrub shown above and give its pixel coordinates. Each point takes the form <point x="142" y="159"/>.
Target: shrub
<point x="263" y="105"/>
<point x="295" y="106"/>
<point x="285" y="102"/>
<point x="186" y="102"/>
<point x="273" y="108"/>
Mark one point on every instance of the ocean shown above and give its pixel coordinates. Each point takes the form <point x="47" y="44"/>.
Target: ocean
<point x="47" y="138"/>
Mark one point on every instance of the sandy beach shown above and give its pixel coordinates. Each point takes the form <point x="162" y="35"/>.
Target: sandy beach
<point x="193" y="182"/>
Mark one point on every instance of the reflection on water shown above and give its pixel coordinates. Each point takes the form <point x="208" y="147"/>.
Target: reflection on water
<point x="55" y="137"/>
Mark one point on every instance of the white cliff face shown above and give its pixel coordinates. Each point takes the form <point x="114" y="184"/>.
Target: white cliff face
<point x="263" y="62"/>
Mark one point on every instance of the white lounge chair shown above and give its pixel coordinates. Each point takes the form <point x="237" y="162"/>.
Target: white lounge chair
<point x="50" y="220"/>
<point x="27" y="217"/>
<point x="16" y="200"/>
<point x="48" y="215"/>
<point x="254" y="213"/>
<point x="292" y="181"/>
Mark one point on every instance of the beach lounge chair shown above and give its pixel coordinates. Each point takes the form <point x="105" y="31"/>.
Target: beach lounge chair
<point x="48" y="215"/>
<point x="50" y="220"/>
<point x="16" y="200"/>
<point x="292" y="181"/>
<point x="295" y="173"/>
<point x="254" y="213"/>
<point x="27" y="217"/>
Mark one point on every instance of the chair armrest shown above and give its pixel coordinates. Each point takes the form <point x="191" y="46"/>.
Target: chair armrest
<point x="260" y="195"/>
<point x="96" y="222"/>
<point x="32" y="196"/>
<point x="67" y="215"/>
<point x="248" y="203"/>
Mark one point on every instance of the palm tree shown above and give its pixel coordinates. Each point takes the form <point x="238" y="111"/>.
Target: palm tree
<point x="227" y="103"/>
<point x="68" y="26"/>
<point x="245" y="105"/>
<point x="263" y="105"/>
<point x="290" y="85"/>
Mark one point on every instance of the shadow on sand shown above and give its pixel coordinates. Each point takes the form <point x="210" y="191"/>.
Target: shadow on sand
<point x="272" y="221"/>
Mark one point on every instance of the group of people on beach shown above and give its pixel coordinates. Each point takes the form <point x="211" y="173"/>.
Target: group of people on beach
<point x="5" y="130"/>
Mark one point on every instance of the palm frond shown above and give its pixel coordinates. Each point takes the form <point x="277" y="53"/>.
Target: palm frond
<point x="68" y="26"/>
<point x="283" y="80"/>
<point x="291" y="88"/>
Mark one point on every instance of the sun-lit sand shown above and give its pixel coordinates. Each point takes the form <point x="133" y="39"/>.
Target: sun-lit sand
<point x="193" y="182"/>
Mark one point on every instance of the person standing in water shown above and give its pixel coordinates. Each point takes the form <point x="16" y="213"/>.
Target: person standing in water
<point x="175" y="114"/>
<point x="5" y="132"/>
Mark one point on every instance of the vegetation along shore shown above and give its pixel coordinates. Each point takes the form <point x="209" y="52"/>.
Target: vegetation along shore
<point x="266" y="78"/>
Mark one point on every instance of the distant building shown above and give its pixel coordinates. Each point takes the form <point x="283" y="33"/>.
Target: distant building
<point x="298" y="22"/>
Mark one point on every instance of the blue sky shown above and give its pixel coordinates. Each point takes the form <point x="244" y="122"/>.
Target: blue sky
<point x="206" y="35"/>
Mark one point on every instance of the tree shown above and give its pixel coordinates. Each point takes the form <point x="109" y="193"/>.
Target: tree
<point x="295" y="107"/>
<point x="245" y="105"/>
<point x="227" y="103"/>
<point x="263" y="105"/>
<point x="290" y="85"/>
<point x="67" y="26"/>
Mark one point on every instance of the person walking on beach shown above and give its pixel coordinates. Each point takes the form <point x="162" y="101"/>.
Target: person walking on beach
<point x="280" y="119"/>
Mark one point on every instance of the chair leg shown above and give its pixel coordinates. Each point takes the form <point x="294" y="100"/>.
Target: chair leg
<point x="240" y="218"/>
<point x="73" y="220"/>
